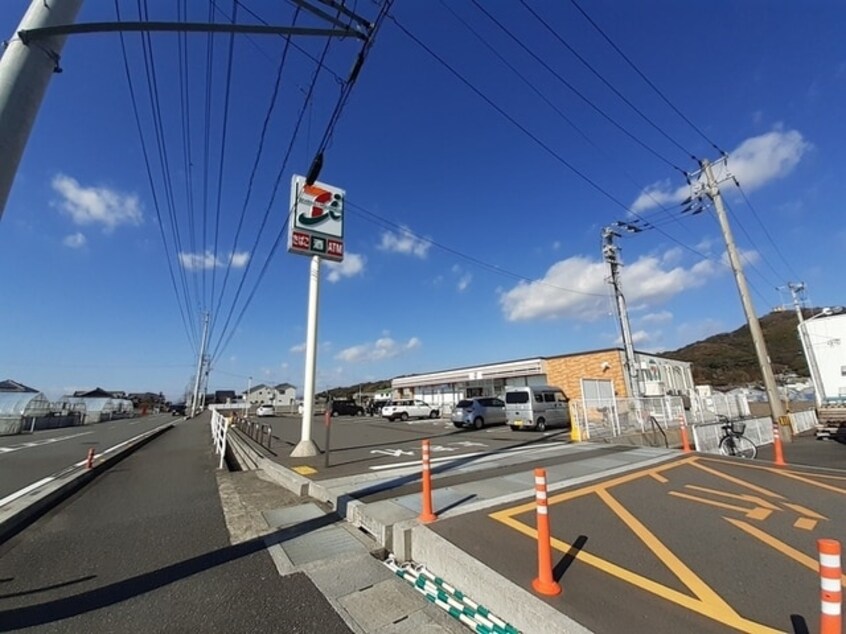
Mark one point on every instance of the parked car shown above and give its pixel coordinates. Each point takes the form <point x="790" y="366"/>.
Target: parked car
<point x="265" y="410"/>
<point x="478" y="412"/>
<point x="408" y="408"/>
<point x="536" y="407"/>
<point x="346" y="407"/>
<point x="177" y="410"/>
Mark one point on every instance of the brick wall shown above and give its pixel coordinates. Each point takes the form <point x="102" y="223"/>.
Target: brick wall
<point x="567" y="372"/>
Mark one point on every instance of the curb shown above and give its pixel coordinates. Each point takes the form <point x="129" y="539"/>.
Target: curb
<point x="22" y="512"/>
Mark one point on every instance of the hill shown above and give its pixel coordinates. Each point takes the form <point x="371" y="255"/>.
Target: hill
<point x="353" y="390"/>
<point x="728" y="359"/>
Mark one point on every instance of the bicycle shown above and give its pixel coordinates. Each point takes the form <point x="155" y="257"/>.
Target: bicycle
<point x="734" y="443"/>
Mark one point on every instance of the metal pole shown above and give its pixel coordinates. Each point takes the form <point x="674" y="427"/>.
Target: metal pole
<point x="306" y="447"/>
<point x="198" y="378"/>
<point x="25" y="71"/>
<point x="807" y="346"/>
<point x="776" y="410"/>
<point x="249" y="387"/>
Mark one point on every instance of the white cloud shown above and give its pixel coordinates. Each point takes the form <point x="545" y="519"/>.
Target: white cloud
<point x="382" y="348"/>
<point x="657" y="318"/>
<point x="96" y="205"/>
<point x="639" y="337"/>
<point x="75" y="240"/>
<point x="207" y="260"/>
<point x="350" y="266"/>
<point x="300" y="347"/>
<point x="405" y="242"/>
<point x="647" y="281"/>
<point x="556" y="245"/>
<point x="755" y="162"/>
<point x="464" y="282"/>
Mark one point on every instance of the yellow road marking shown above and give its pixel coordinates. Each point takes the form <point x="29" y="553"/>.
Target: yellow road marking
<point x="756" y="513"/>
<point x="738" y="481"/>
<point x="304" y="470"/>
<point x="576" y="493"/>
<point x="802" y="510"/>
<point x="737" y="496"/>
<point x="719" y="611"/>
<point x="780" y="546"/>
<point x="659" y="477"/>
<point x="748" y="465"/>
<point x="822" y="485"/>
<point x="805" y="523"/>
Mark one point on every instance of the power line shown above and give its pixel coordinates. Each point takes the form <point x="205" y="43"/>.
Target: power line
<point x="188" y="332"/>
<point x="575" y="90"/>
<point x="533" y="136"/>
<point x="554" y="107"/>
<point x="494" y="268"/>
<point x="611" y="87"/>
<point x="644" y="77"/>
<point x="740" y="224"/>
<point x="778" y="251"/>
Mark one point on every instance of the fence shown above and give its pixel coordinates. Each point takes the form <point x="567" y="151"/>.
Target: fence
<point x="803" y="421"/>
<point x="219" y="428"/>
<point x="706" y="437"/>
<point x="709" y="409"/>
<point x="609" y="418"/>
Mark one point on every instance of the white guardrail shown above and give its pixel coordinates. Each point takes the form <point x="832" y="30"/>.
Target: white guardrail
<point x="706" y="438"/>
<point x="219" y="429"/>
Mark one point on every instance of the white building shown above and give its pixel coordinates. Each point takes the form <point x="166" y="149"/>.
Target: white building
<point x="825" y="351"/>
<point x="281" y="395"/>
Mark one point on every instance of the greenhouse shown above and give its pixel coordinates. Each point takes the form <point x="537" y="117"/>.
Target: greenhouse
<point x="19" y="410"/>
<point x="97" y="408"/>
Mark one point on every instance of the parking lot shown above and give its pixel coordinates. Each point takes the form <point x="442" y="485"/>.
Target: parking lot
<point x="361" y="444"/>
<point x="696" y="544"/>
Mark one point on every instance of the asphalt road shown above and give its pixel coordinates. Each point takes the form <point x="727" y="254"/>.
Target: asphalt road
<point x="144" y="548"/>
<point x="361" y="444"/>
<point x="807" y="450"/>
<point x="26" y="458"/>
<point x="699" y="544"/>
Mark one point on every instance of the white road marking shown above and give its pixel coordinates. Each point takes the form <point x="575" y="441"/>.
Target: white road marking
<point x="40" y="443"/>
<point x="489" y="455"/>
<point x="394" y="453"/>
<point x="21" y="492"/>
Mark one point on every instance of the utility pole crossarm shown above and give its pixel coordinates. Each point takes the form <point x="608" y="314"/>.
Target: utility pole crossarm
<point x="32" y="35"/>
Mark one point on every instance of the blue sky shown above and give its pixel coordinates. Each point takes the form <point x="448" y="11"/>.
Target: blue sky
<point x="498" y="232"/>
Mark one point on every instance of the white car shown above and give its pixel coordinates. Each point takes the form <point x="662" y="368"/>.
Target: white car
<point x="265" y="410"/>
<point x="406" y="409"/>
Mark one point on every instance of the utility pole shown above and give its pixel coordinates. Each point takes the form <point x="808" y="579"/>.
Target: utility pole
<point x="200" y="362"/>
<point x="247" y="399"/>
<point x="797" y="290"/>
<point x="610" y="253"/>
<point x="25" y="71"/>
<point x="712" y="190"/>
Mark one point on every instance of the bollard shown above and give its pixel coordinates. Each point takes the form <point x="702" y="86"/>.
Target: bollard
<point x="685" y="439"/>
<point x="831" y="592"/>
<point x="89" y="462"/>
<point x="428" y="514"/>
<point x="777" y="448"/>
<point x="545" y="583"/>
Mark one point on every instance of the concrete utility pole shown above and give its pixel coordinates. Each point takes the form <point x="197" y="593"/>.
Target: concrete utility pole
<point x="796" y="290"/>
<point x="200" y="359"/>
<point x="611" y="254"/>
<point x="25" y="71"/>
<point x="777" y="411"/>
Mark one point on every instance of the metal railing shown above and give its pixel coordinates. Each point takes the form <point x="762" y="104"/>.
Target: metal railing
<point x="609" y="418"/>
<point x="262" y="434"/>
<point x="219" y="429"/>
<point x="803" y="421"/>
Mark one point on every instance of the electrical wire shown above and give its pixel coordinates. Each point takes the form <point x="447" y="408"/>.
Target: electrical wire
<point x="534" y="137"/>
<point x="557" y="110"/>
<point x="188" y="333"/>
<point x="644" y="77"/>
<point x="493" y="268"/>
<point x="757" y="249"/>
<point x="576" y="91"/>
<point x="778" y="251"/>
<point x="602" y="78"/>
<point x="259" y="151"/>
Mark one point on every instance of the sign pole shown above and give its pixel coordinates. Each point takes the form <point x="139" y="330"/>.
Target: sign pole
<point x="306" y="447"/>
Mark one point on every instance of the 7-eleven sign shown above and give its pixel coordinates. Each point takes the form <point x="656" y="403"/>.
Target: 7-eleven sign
<point x="316" y="226"/>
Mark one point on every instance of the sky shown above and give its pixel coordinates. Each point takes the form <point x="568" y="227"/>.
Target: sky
<point x="478" y="178"/>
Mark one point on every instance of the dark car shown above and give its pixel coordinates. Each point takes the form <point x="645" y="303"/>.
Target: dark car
<point x="177" y="410"/>
<point x="346" y="407"/>
<point x="375" y="407"/>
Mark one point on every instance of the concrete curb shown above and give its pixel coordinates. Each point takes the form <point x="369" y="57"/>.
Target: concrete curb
<point x="510" y="602"/>
<point x="22" y="512"/>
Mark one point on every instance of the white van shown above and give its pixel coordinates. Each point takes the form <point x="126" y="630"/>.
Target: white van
<point x="536" y="407"/>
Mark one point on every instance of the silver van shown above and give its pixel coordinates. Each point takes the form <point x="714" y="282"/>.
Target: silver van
<point x="536" y="407"/>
